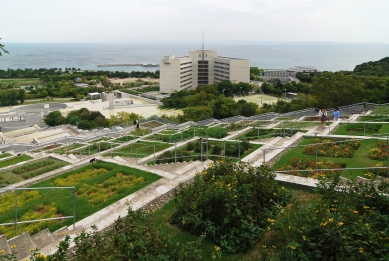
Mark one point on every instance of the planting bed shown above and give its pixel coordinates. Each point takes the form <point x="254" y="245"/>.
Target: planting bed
<point x="139" y="149"/>
<point x="151" y="124"/>
<point x="362" y="129"/>
<point x="4" y="155"/>
<point x="351" y="154"/>
<point x="214" y="150"/>
<point x="97" y="186"/>
<point x="14" y="160"/>
<point x="30" y="170"/>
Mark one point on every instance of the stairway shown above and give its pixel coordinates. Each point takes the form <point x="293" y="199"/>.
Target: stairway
<point x="47" y="242"/>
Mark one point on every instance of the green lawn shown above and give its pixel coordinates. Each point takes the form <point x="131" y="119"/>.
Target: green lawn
<point x="29" y="170"/>
<point x="360" y="158"/>
<point x="187" y="153"/>
<point x="95" y="148"/>
<point x="379" y="110"/>
<point x="374" y="118"/>
<point x="140" y="149"/>
<point x="4" y="155"/>
<point x="22" y="81"/>
<point x="261" y="133"/>
<point x="14" y="160"/>
<point x="107" y="186"/>
<point x="362" y="129"/>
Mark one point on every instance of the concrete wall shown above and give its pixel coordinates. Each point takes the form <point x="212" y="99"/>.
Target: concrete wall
<point x="239" y="70"/>
<point x="170" y="77"/>
<point x="173" y="75"/>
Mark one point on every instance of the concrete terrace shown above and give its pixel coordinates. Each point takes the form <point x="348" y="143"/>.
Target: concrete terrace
<point x="172" y="174"/>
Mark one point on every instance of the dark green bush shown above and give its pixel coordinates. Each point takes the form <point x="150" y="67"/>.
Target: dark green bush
<point x="346" y="222"/>
<point x="217" y="149"/>
<point x="230" y="202"/>
<point x="134" y="237"/>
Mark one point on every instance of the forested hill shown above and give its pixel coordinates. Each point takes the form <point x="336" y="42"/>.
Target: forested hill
<point x="378" y="68"/>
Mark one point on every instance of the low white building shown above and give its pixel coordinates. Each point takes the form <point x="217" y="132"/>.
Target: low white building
<point x="201" y="67"/>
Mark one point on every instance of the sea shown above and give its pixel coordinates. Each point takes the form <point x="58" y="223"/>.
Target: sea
<point x="265" y="55"/>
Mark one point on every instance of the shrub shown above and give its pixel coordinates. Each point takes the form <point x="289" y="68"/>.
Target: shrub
<point x="333" y="148"/>
<point x="230" y="203"/>
<point x="346" y="222"/>
<point x="134" y="237"/>
<point x="217" y="149"/>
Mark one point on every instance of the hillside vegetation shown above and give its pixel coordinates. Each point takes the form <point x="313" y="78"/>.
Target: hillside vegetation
<point x="377" y="68"/>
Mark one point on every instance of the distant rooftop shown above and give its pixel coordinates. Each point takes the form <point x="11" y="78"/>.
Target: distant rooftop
<point x="303" y="69"/>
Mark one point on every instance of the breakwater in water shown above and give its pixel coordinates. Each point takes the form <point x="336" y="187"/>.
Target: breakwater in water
<point x="129" y="64"/>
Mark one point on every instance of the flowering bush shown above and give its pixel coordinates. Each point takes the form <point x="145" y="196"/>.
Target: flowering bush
<point x="380" y="152"/>
<point x="331" y="148"/>
<point x="304" y="164"/>
<point x="231" y="203"/>
<point x="76" y="178"/>
<point x="120" y="183"/>
<point x="7" y="201"/>
<point x="39" y="212"/>
<point x="360" y="127"/>
<point x="346" y="222"/>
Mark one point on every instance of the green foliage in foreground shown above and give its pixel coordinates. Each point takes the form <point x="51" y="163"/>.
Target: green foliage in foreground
<point x="230" y="203"/>
<point x="132" y="238"/>
<point x="346" y="222"/>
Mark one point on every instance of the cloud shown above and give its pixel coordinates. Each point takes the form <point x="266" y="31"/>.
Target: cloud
<point x="178" y="20"/>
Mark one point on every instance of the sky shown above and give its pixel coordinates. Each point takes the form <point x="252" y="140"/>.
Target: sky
<point x="153" y="21"/>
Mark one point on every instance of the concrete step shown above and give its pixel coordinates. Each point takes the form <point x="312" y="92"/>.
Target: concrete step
<point x="42" y="238"/>
<point x="22" y="245"/>
<point x="60" y="233"/>
<point x="4" y="245"/>
<point x="185" y="169"/>
<point x="71" y="156"/>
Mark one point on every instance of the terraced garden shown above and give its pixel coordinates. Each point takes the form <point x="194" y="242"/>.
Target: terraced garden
<point x="139" y="149"/>
<point x="96" y="187"/>
<point x="30" y="170"/>
<point x="335" y="153"/>
<point x="14" y="160"/>
<point x="213" y="150"/>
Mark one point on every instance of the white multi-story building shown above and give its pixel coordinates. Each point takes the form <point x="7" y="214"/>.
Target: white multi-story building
<point x="201" y="67"/>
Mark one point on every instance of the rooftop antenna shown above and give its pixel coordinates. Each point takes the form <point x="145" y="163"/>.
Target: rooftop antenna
<point x="203" y="46"/>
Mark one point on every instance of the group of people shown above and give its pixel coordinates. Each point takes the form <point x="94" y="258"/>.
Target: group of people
<point x="324" y="117"/>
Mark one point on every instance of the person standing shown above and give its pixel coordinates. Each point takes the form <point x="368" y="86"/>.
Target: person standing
<point x="323" y="117"/>
<point x="336" y="114"/>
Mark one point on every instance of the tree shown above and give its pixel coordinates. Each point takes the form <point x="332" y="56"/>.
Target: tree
<point x="55" y="118"/>
<point x="2" y="48"/>
<point x="22" y="95"/>
<point x="336" y="89"/>
<point x="123" y="117"/>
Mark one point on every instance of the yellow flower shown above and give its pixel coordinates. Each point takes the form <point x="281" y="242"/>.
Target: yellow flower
<point x="365" y="207"/>
<point x="304" y="238"/>
<point x="13" y="246"/>
<point x="282" y="187"/>
<point x="323" y="224"/>
<point x="271" y="220"/>
<point x="2" y="251"/>
<point x="361" y="249"/>
<point x="355" y="211"/>
<point x="235" y="196"/>
<point x="341" y="223"/>
<point x="293" y="247"/>
<point x="264" y="246"/>
<point x="331" y="219"/>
